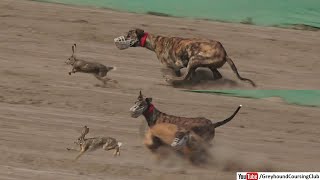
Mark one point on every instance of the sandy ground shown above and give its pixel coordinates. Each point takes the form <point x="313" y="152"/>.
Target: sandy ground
<point x="42" y="108"/>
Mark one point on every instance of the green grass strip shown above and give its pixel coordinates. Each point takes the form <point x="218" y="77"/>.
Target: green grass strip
<point x="298" y="97"/>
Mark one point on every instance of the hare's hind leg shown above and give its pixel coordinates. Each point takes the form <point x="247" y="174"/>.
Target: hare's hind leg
<point x="117" y="150"/>
<point x="99" y="78"/>
<point x="104" y="80"/>
<point x="103" y="75"/>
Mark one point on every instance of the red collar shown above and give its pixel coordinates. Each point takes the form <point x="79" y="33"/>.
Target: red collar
<point x="143" y="39"/>
<point x="150" y="110"/>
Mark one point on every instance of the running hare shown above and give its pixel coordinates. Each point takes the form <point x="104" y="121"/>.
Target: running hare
<point x="91" y="144"/>
<point x="98" y="70"/>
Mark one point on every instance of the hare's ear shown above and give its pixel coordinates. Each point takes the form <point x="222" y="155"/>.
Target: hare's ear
<point x="85" y="131"/>
<point x="73" y="50"/>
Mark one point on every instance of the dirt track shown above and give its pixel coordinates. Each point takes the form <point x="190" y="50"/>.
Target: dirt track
<point x="42" y="108"/>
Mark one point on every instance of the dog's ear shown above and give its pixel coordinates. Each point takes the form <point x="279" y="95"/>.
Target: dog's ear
<point x="140" y="97"/>
<point x="140" y="33"/>
<point x="149" y="100"/>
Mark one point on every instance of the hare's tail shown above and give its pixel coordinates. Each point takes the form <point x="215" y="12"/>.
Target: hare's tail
<point x="119" y="144"/>
<point x="113" y="68"/>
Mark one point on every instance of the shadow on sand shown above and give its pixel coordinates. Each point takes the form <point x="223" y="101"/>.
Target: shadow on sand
<point x="203" y="79"/>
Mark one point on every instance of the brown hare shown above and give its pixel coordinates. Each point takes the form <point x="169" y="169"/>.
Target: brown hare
<point x="91" y="144"/>
<point x="97" y="69"/>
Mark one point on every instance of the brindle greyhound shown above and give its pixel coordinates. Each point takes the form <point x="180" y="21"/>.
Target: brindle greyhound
<point x="176" y="53"/>
<point x="205" y="128"/>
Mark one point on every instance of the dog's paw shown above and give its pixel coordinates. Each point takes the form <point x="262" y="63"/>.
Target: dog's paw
<point x="168" y="79"/>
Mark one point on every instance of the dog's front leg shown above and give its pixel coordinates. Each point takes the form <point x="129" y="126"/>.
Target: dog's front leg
<point x="170" y="71"/>
<point x="188" y="75"/>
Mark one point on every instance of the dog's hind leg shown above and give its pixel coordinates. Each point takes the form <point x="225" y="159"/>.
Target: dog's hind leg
<point x="177" y="73"/>
<point x="192" y="74"/>
<point x="216" y="74"/>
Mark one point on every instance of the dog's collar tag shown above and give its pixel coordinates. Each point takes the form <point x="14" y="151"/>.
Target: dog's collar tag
<point x="143" y="39"/>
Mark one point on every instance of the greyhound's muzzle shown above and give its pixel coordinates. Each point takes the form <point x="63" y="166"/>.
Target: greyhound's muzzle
<point x="136" y="111"/>
<point x="122" y="43"/>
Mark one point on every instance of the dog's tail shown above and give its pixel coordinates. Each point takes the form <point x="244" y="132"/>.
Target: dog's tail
<point x="234" y="68"/>
<point x="220" y="123"/>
